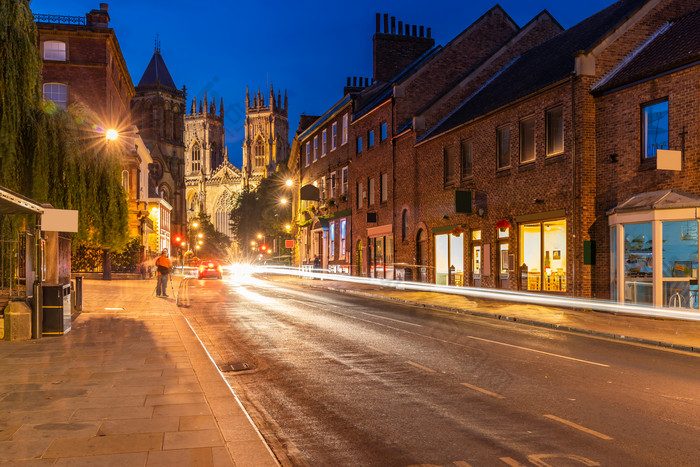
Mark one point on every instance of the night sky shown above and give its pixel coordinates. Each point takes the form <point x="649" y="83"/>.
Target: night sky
<point x="308" y="47"/>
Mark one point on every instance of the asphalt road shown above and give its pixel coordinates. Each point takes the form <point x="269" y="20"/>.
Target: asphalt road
<point x="340" y="380"/>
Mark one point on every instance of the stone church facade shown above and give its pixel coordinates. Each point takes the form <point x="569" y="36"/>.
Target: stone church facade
<point x="212" y="182"/>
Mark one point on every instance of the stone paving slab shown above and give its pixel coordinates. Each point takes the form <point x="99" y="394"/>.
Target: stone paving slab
<point x="124" y="387"/>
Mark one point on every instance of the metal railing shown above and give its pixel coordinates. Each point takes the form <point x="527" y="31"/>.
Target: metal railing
<point x="60" y="19"/>
<point x="15" y="265"/>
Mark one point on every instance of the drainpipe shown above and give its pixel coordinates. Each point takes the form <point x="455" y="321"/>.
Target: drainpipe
<point x="393" y="187"/>
<point x="574" y="214"/>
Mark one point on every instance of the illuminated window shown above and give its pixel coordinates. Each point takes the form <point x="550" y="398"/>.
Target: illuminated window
<point x="343" y="223"/>
<point x="543" y="256"/>
<point x="57" y="93"/>
<point x="55" y="50"/>
<point x="331" y="240"/>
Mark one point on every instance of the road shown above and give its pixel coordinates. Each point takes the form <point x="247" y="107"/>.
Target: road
<point x="335" y="379"/>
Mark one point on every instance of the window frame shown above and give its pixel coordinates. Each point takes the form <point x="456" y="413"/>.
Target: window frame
<point x="530" y="119"/>
<point x="550" y="152"/>
<point x="344" y="181"/>
<point x="358" y="146"/>
<point x="500" y="146"/>
<point x="645" y="128"/>
<point x="448" y="161"/>
<point x="324" y="144"/>
<point x="308" y="153"/>
<point x="462" y="159"/>
<point x="334" y="136"/>
<point x="383" y="132"/>
<point x="383" y="187"/>
<point x="64" y="57"/>
<point x="370" y="139"/>
<point x="61" y="104"/>
<point x="315" y="148"/>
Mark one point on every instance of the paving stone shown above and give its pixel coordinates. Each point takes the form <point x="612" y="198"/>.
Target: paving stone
<point x="110" y="413"/>
<point x="15" y="450"/>
<point x="200" y="457"/>
<point x="7" y="430"/>
<point x="183" y="398"/>
<point x="107" y="460"/>
<point x="180" y="409"/>
<point x="56" y="430"/>
<point x="99" y="445"/>
<point x="192" y="439"/>
<point x="140" y="425"/>
<point x="183" y="388"/>
<point x="197" y="422"/>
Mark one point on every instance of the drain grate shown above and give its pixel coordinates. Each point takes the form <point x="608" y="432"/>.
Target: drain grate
<point x="238" y="366"/>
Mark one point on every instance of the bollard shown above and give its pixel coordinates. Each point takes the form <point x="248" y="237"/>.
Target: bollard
<point x="78" y="294"/>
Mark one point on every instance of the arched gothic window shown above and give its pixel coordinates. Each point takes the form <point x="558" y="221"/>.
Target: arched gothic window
<point x="222" y="214"/>
<point x="259" y="153"/>
<point x="196" y="157"/>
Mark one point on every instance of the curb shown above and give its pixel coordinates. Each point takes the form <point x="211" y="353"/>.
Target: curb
<point x="529" y="322"/>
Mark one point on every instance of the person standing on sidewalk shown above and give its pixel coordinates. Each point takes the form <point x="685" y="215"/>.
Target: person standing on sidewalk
<point x="163" y="265"/>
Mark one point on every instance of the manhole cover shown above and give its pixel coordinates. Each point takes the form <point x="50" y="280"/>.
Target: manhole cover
<point x="239" y="366"/>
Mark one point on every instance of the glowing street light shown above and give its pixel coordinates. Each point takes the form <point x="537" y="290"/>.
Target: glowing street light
<point x="252" y="243"/>
<point x="195" y="225"/>
<point x="112" y="134"/>
<point x="200" y="242"/>
<point x="200" y="235"/>
<point x="283" y="201"/>
<point x="289" y="182"/>
<point x="259" y="236"/>
<point x="288" y="227"/>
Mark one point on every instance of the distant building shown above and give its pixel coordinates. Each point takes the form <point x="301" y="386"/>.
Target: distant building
<point x="266" y="133"/>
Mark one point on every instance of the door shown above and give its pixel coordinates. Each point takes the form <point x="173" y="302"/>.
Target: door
<point x="503" y="265"/>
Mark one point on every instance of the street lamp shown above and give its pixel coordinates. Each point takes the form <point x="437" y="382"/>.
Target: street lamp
<point x="289" y="182"/>
<point x="112" y="134"/>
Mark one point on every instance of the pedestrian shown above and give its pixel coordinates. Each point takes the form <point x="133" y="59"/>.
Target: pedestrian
<point x="317" y="263"/>
<point x="163" y="265"/>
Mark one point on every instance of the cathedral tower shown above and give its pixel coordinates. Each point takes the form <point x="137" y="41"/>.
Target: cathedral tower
<point x="158" y="109"/>
<point x="205" y="147"/>
<point x="266" y="133"/>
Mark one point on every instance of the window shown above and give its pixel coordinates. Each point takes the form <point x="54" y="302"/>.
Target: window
<point x="334" y="136"/>
<point x="323" y="189"/>
<point x="527" y="140"/>
<point x="359" y="144"/>
<point x="654" y="128"/>
<point x="503" y="147"/>
<point x="383" y="132"/>
<point x="125" y="181"/>
<point x="331" y="240"/>
<point x="383" y="187"/>
<point x="57" y="93"/>
<point x="55" y="50"/>
<point x="315" y="148"/>
<point x="333" y="185"/>
<point x="344" y="187"/>
<point x="466" y="156"/>
<point x="358" y="189"/>
<point x="370" y="139"/>
<point x="323" y="142"/>
<point x="343" y="223"/>
<point x="345" y="128"/>
<point x="449" y="162"/>
<point x="543" y="255"/>
<point x="308" y="153"/>
<point x="404" y="225"/>
<point x="259" y="153"/>
<point x="196" y="158"/>
<point x="555" y="131"/>
<point x="370" y="187"/>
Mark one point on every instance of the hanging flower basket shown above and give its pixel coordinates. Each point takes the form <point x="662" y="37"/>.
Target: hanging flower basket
<point x="502" y="225"/>
<point x="457" y="231"/>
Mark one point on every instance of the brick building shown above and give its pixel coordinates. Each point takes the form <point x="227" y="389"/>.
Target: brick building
<point x="513" y="156"/>
<point x="83" y="65"/>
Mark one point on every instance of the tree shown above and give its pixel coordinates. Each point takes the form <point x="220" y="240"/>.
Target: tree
<point x="245" y="218"/>
<point x="215" y="245"/>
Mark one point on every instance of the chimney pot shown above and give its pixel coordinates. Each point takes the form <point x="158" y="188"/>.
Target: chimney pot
<point x="421" y="31"/>
<point x="386" y="23"/>
<point x="354" y="80"/>
<point x="414" y="31"/>
<point x="428" y="33"/>
<point x="366" y="82"/>
<point x="379" y="21"/>
<point x="104" y="6"/>
<point x="393" y="25"/>
<point x="348" y="81"/>
<point x="400" y="28"/>
<point x="407" y="31"/>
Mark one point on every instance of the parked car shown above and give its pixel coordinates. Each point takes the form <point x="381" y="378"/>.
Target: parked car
<point x="209" y="269"/>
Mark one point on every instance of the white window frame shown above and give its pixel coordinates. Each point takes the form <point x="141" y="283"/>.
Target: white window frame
<point x="331" y="240"/>
<point x="342" y="237"/>
<point x="323" y="142"/>
<point x="333" y="181"/>
<point x="334" y="136"/>
<point x="55" y="50"/>
<point x="344" y="181"/>
<point x="346" y="119"/>
<point x="308" y="153"/>
<point x="315" y="148"/>
<point x="51" y="93"/>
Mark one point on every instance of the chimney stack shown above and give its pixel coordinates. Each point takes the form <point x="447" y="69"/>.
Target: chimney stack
<point x="396" y="48"/>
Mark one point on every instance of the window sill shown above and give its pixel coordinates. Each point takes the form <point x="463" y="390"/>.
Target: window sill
<point x="505" y="171"/>
<point x="554" y="158"/>
<point x="449" y="185"/>
<point x="526" y="166"/>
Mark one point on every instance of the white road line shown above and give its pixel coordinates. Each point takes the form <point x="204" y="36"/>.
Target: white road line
<point x="378" y="350"/>
<point x="391" y="319"/>
<point x="579" y="427"/>
<point x="417" y="365"/>
<point x="115" y="309"/>
<point x="484" y="391"/>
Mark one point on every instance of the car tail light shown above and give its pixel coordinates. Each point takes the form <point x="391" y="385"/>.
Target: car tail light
<point x="211" y="265"/>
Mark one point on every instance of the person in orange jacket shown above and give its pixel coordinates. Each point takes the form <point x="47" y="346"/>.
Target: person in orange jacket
<point x="163" y="265"/>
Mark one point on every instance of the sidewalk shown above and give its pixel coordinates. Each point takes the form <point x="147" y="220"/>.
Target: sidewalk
<point x="129" y="385"/>
<point x="670" y="333"/>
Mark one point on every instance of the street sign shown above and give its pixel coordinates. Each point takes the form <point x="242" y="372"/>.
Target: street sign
<point x="289" y="243"/>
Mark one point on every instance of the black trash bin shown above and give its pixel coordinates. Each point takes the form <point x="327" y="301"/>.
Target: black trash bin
<point x="56" y="309"/>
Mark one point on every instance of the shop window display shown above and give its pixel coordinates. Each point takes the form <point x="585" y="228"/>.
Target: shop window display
<point x="543" y="256"/>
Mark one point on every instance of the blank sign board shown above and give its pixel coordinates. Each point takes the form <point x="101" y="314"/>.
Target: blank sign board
<point x="59" y="220"/>
<point x="668" y="160"/>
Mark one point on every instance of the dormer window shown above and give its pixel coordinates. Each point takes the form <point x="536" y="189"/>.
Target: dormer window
<point x="55" y="50"/>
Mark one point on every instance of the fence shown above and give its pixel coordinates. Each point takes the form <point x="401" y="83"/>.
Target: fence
<point x="16" y="266"/>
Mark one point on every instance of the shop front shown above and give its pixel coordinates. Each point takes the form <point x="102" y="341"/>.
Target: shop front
<point x="654" y="250"/>
<point x="380" y="252"/>
<point x="449" y="257"/>
<point x="542" y="258"/>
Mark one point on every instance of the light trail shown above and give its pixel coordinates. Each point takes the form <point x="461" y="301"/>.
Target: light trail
<point x="506" y="295"/>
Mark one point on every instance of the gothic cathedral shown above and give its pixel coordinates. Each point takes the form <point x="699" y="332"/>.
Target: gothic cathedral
<point x="212" y="181"/>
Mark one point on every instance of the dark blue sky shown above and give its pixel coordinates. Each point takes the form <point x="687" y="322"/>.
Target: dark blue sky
<point x="307" y="47"/>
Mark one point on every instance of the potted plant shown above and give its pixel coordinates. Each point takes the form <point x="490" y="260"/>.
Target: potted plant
<point x="331" y="201"/>
<point x="502" y="225"/>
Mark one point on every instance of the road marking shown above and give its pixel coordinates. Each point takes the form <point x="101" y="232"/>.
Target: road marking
<point x="512" y="462"/>
<point x="392" y="319"/>
<point x="417" y="365"/>
<point x="378" y="350"/>
<point x="539" y="351"/>
<point x="488" y="393"/>
<point x="115" y="309"/>
<point x="538" y="459"/>
<point x="579" y="427"/>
